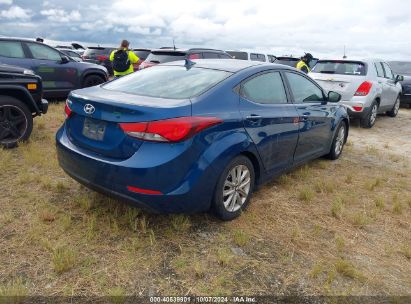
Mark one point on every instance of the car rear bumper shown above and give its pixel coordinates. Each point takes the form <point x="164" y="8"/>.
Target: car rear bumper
<point x="189" y="191"/>
<point x="44" y="106"/>
<point x="353" y="106"/>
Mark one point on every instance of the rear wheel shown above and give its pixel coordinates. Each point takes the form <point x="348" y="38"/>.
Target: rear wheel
<point x="16" y="121"/>
<point x="395" y="108"/>
<point x="369" y="120"/>
<point x="234" y="189"/>
<point x="92" y="80"/>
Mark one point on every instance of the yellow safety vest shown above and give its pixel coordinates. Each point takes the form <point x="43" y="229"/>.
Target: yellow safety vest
<point x="302" y="64"/>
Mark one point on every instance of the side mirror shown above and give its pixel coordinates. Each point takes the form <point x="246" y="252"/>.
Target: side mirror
<point x="334" y="96"/>
<point x="399" y="78"/>
<point x="64" y="59"/>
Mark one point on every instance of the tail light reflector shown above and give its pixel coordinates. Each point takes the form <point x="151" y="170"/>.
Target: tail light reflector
<point x="169" y="130"/>
<point x="143" y="191"/>
<point x="67" y="109"/>
<point x="363" y="89"/>
<point x="102" y="57"/>
<point x="357" y="108"/>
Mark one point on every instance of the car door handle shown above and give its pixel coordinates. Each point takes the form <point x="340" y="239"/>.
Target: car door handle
<point x="253" y="117"/>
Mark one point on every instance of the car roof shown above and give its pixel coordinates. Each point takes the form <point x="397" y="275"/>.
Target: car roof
<point x="178" y="50"/>
<point x="229" y="65"/>
<point x="142" y="49"/>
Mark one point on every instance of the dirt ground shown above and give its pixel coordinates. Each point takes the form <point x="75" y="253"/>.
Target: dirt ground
<point x="327" y="228"/>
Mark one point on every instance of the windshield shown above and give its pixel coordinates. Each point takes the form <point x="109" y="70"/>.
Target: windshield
<point x="163" y="57"/>
<point x="238" y="55"/>
<point x="401" y="67"/>
<point x="175" y="82"/>
<point x="340" y="68"/>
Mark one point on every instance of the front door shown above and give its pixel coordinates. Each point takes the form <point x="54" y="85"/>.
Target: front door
<point x="315" y="117"/>
<point x="269" y="119"/>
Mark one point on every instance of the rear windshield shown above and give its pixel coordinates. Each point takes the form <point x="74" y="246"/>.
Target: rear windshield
<point x="238" y="55"/>
<point x="287" y="61"/>
<point x="340" y="67"/>
<point x="401" y="67"/>
<point x="163" y="57"/>
<point x="142" y="54"/>
<point x="96" y="51"/>
<point x="175" y="82"/>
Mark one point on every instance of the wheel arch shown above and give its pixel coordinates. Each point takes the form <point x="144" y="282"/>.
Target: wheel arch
<point x="92" y="72"/>
<point x="21" y="94"/>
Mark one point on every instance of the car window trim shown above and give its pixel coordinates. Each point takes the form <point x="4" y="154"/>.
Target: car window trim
<point x="239" y="88"/>
<point x="308" y="78"/>
<point x="385" y="72"/>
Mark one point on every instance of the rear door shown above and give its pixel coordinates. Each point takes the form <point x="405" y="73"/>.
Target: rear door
<point x="392" y="90"/>
<point x="315" y="117"/>
<point x="47" y="62"/>
<point x="269" y="119"/>
<point x="385" y="87"/>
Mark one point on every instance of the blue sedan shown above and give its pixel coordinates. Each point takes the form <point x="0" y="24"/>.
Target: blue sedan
<point x="198" y="135"/>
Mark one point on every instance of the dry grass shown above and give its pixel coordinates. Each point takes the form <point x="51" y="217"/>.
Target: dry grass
<point x="332" y="228"/>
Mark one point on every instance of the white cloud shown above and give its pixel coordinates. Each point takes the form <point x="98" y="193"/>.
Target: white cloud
<point x="60" y="15"/>
<point x="8" y="2"/>
<point x="15" y="12"/>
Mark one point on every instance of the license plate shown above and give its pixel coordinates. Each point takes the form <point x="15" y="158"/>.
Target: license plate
<point x="94" y="129"/>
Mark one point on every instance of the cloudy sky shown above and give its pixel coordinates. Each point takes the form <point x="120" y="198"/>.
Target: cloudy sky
<point x="368" y="28"/>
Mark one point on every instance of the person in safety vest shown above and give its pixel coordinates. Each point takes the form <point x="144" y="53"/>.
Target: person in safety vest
<point x="123" y="60"/>
<point x="304" y="64"/>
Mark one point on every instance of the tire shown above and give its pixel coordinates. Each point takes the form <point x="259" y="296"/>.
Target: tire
<point x="92" y="80"/>
<point x="228" y="209"/>
<point x="16" y="121"/>
<point x="395" y="108"/>
<point x="338" y="143"/>
<point x="369" y="119"/>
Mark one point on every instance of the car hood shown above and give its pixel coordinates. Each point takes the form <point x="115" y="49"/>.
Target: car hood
<point x="12" y="69"/>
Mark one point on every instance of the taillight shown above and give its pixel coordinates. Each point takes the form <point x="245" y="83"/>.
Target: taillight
<point x="169" y="130"/>
<point x="363" y="89"/>
<point x="67" y="110"/>
<point x="102" y="57"/>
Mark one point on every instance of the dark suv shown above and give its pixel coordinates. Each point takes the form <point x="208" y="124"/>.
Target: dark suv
<point x="99" y="55"/>
<point x="60" y="73"/>
<point x="167" y="55"/>
<point x="20" y="101"/>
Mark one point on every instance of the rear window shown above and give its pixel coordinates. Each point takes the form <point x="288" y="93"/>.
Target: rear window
<point x="142" y="54"/>
<point x="257" y="57"/>
<point x="238" y="55"/>
<point x="97" y="51"/>
<point x="175" y="82"/>
<point x="163" y="57"/>
<point x="287" y="61"/>
<point x="340" y="68"/>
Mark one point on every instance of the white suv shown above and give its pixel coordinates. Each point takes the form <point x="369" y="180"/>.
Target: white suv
<point x="367" y="87"/>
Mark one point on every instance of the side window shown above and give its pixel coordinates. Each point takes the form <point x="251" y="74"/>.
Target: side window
<point x="257" y="57"/>
<point x="380" y="71"/>
<point x="12" y="49"/>
<point x="303" y="89"/>
<point x="225" y="56"/>
<point x="388" y="72"/>
<point x="266" y="88"/>
<point x="194" y="56"/>
<point x="209" y="55"/>
<point x="40" y="51"/>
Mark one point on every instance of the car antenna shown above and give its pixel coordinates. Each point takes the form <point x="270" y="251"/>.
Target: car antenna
<point x="188" y="63"/>
<point x="174" y="45"/>
<point x="345" y="56"/>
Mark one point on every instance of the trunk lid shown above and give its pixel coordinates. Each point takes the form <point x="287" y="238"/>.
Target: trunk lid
<point x="346" y="85"/>
<point x="97" y="112"/>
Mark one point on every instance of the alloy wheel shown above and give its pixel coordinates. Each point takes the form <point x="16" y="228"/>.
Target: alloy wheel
<point x="339" y="141"/>
<point x="373" y="115"/>
<point x="13" y="124"/>
<point x="236" y="188"/>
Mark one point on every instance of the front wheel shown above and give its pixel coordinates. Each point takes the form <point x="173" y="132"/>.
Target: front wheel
<point x="395" y="108"/>
<point x="16" y="121"/>
<point x="92" y="80"/>
<point x="338" y="142"/>
<point x="234" y="188"/>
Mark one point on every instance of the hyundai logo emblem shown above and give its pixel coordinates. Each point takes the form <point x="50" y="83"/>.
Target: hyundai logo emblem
<point x="89" y="109"/>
